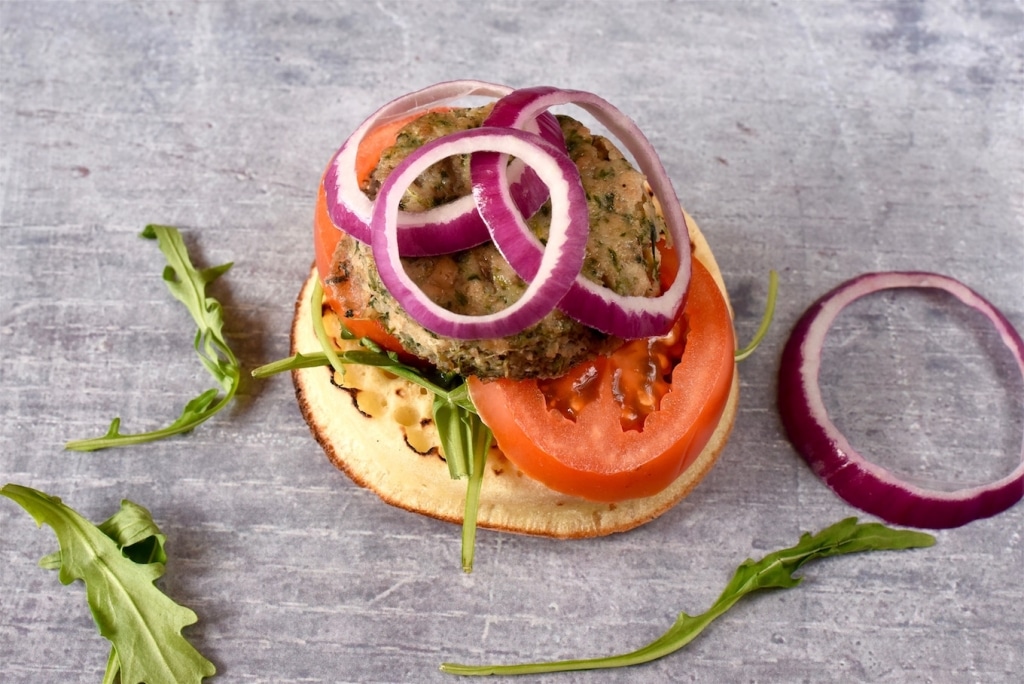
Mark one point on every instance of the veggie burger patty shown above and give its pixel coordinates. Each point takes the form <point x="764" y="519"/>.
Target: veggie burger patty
<point x="620" y="254"/>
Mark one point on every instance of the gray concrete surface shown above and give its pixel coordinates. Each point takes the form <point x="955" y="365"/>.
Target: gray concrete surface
<point x="822" y="139"/>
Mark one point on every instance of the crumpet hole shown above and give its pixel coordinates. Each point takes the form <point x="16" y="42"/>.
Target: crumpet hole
<point x="406" y="415"/>
<point x="371" y="403"/>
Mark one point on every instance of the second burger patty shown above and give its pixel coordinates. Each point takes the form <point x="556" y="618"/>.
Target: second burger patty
<point x="620" y="254"/>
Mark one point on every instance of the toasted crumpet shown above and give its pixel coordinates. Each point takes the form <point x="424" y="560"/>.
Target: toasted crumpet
<point x="379" y="430"/>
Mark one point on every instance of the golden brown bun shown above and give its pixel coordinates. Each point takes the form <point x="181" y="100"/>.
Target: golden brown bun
<point x="380" y="432"/>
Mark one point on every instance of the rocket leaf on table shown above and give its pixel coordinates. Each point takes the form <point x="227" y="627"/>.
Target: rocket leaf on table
<point x="119" y="560"/>
<point x="774" y="571"/>
<point x="133" y="530"/>
<point x="188" y="285"/>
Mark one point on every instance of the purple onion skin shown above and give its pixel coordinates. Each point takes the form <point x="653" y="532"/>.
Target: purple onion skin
<point x="547" y="289"/>
<point x="591" y="305"/>
<point x="860" y="483"/>
<point x="461" y="231"/>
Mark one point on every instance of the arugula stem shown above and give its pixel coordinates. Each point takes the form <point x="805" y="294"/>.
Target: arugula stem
<point x="480" y="437"/>
<point x="112" y="674"/>
<point x="766" y="319"/>
<point x="316" y="307"/>
<point x="406" y="373"/>
<point x="313" y="360"/>
<point x="774" y="571"/>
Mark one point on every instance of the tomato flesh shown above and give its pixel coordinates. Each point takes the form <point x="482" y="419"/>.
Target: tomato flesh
<point x="582" y="437"/>
<point x="348" y="305"/>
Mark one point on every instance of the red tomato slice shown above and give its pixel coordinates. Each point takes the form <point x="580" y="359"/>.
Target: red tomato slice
<point x="348" y="305"/>
<point x="325" y="234"/>
<point x="326" y="237"/>
<point x="582" y="439"/>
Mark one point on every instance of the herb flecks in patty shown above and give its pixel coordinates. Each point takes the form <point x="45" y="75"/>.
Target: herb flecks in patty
<point x="620" y="255"/>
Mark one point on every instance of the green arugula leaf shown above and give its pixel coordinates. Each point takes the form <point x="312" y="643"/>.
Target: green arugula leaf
<point x="137" y="535"/>
<point x="291" y="363"/>
<point x="119" y="560"/>
<point x="188" y="285"/>
<point x="766" y="319"/>
<point x="133" y="530"/>
<point x="774" y="571"/>
<point x="479" y="436"/>
<point x="465" y="440"/>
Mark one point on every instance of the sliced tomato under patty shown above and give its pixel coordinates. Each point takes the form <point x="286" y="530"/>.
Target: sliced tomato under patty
<point x="612" y="443"/>
<point x="349" y="305"/>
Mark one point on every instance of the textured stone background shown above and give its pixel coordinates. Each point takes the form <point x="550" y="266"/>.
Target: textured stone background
<point x="822" y="139"/>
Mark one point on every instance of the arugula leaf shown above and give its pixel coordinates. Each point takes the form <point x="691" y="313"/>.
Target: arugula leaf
<point x="766" y="319"/>
<point x="479" y="437"/>
<point x="119" y="560"/>
<point x="454" y="431"/>
<point x="774" y="571"/>
<point x="314" y="360"/>
<point x="136" y="534"/>
<point x="465" y="439"/>
<point x="133" y="530"/>
<point x="188" y="285"/>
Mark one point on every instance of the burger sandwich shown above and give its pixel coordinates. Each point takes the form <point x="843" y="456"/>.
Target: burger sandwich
<point x="505" y="297"/>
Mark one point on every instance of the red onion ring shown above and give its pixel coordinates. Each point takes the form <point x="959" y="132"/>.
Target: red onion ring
<point x="861" y="483"/>
<point x="562" y="259"/>
<point x="594" y="305"/>
<point x="444" y="229"/>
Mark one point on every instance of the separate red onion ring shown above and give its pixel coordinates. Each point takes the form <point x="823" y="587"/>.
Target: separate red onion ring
<point x="444" y="229"/>
<point x="562" y="259"/>
<point x="861" y="483"/>
<point x="588" y="302"/>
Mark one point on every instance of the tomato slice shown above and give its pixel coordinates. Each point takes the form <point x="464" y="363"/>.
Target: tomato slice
<point x="580" y="439"/>
<point x="326" y="236"/>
